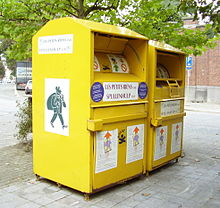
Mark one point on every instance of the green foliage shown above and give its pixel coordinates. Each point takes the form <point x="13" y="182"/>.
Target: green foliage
<point x="5" y="46"/>
<point x="11" y="63"/>
<point x="20" y="20"/>
<point x="2" y="70"/>
<point x="208" y="11"/>
<point x="162" y="20"/>
<point x="24" y="120"/>
<point x="157" y="19"/>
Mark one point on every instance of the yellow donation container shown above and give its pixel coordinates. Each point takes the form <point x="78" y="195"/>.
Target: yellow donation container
<point x="166" y="104"/>
<point x="90" y="103"/>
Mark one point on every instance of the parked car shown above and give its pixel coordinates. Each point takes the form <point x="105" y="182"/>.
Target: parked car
<point x="28" y="87"/>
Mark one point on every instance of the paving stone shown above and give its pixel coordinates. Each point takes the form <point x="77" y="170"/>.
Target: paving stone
<point x="11" y="188"/>
<point x="211" y="204"/>
<point x="129" y="202"/>
<point x="156" y="203"/>
<point x="57" y="204"/>
<point x="85" y="205"/>
<point x="69" y="200"/>
<point x="29" y="205"/>
<point x="11" y="200"/>
<point x="143" y="195"/>
<point x="56" y="195"/>
<point x="43" y="200"/>
<point x="121" y="205"/>
<point x="106" y="203"/>
<point x="178" y="200"/>
<point x="13" y="159"/>
<point x="124" y="193"/>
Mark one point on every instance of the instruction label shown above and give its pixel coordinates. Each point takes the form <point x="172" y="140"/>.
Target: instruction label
<point x="96" y="64"/>
<point x="120" y="91"/>
<point x="135" y="143"/>
<point x="106" y="150"/>
<point x="176" y="137"/>
<point x="170" y="107"/>
<point x="55" y="44"/>
<point x="160" y="143"/>
<point x="119" y="63"/>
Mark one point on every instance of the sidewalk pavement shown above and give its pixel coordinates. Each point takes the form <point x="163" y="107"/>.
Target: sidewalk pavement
<point x="193" y="182"/>
<point x="202" y="107"/>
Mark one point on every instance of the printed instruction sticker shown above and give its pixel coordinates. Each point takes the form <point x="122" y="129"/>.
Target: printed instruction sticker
<point x="106" y="150"/>
<point x="160" y="143"/>
<point x="119" y="63"/>
<point x="135" y="143"/>
<point x="170" y="107"/>
<point x="57" y="106"/>
<point x="96" y="64"/>
<point x="55" y="44"/>
<point x="176" y="137"/>
<point x="120" y="91"/>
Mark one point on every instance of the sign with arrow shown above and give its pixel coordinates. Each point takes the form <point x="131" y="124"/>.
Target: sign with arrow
<point x="161" y="143"/>
<point x="135" y="143"/>
<point x="106" y="150"/>
<point x="189" y="62"/>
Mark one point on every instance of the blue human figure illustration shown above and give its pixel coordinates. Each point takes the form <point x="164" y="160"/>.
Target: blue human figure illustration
<point x="136" y="140"/>
<point x="107" y="143"/>
<point x="56" y="102"/>
<point x="161" y="137"/>
<point x="177" y="132"/>
<point x="136" y="137"/>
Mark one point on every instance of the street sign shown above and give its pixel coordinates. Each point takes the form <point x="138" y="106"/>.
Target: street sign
<point x="189" y="62"/>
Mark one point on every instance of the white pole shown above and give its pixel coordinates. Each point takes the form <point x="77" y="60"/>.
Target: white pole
<point x="188" y="76"/>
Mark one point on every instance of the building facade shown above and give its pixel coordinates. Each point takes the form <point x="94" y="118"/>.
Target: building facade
<point x="203" y="81"/>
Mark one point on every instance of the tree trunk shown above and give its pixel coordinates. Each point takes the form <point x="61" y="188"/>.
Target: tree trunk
<point x="81" y="12"/>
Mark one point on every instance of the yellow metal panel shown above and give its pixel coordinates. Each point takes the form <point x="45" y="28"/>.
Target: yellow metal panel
<point x="109" y="29"/>
<point x="168" y="156"/>
<point x="123" y="171"/>
<point x="71" y="159"/>
<point x="95" y="125"/>
<point x="168" y="91"/>
<point x="55" y="156"/>
<point x="109" y="44"/>
<point x="164" y="47"/>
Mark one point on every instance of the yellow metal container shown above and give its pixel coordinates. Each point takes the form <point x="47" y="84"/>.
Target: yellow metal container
<point x="90" y="103"/>
<point x="166" y="104"/>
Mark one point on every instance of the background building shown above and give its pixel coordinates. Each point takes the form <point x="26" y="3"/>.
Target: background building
<point x="203" y="81"/>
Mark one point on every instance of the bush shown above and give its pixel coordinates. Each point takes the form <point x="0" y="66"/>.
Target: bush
<point x="24" y="120"/>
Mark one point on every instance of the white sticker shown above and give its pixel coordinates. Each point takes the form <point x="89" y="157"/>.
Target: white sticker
<point x="57" y="106"/>
<point x="106" y="150"/>
<point x="55" y="44"/>
<point x="24" y="72"/>
<point x="161" y="143"/>
<point x="119" y="91"/>
<point x="135" y="143"/>
<point x="119" y="63"/>
<point x="176" y="137"/>
<point x="96" y="64"/>
<point x="170" y="108"/>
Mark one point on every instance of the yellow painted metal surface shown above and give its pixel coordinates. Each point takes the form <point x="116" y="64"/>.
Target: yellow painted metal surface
<point x="85" y="117"/>
<point x="166" y="104"/>
<point x="109" y="29"/>
<point x="165" y="47"/>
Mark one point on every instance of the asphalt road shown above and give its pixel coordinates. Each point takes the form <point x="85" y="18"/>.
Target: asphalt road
<point x="9" y="98"/>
